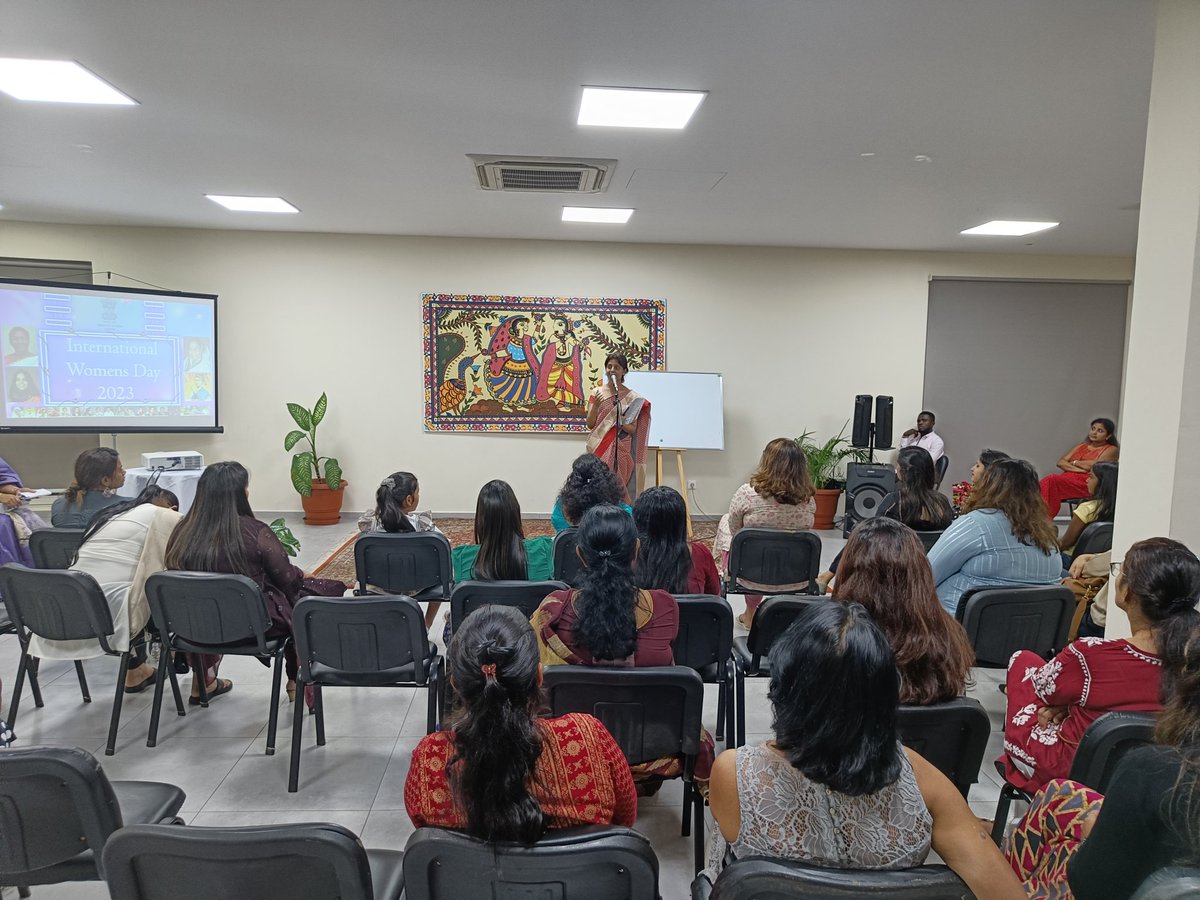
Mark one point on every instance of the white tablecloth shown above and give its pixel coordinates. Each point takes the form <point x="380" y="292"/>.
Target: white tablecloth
<point x="181" y="483"/>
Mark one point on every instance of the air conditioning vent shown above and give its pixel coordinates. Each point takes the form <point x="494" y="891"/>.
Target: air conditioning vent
<point x="542" y="173"/>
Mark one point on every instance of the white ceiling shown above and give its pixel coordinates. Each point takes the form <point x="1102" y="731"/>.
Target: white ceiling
<point x="362" y="112"/>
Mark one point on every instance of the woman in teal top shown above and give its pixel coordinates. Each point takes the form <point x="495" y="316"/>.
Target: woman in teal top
<point x="591" y="483"/>
<point x="502" y="553"/>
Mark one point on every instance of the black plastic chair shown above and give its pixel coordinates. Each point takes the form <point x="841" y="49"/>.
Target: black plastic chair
<point x="60" y="605"/>
<point x="772" y="556"/>
<point x="367" y="642"/>
<point x="567" y="864"/>
<point x="55" y="548"/>
<point x="209" y="614"/>
<point x="651" y="713"/>
<point x="951" y="736"/>
<point x="1174" y="883"/>
<point x="1096" y="537"/>
<point x="59" y="811"/>
<point x="939" y="470"/>
<point x="567" y="564"/>
<point x="705" y="643"/>
<point x="750" y="652"/>
<point x="416" y="564"/>
<point x="929" y="538"/>
<point x="526" y="596"/>
<point x="263" y="862"/>
<point x="1001" y="621"/>
<point x="761" y="878"/>
<point x="1101" y="748"/>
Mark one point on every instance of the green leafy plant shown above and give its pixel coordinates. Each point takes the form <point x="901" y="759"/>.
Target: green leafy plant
<point x="290" y="542"/>
<point x="307" y="465"/>
<point x="826" y="462"/>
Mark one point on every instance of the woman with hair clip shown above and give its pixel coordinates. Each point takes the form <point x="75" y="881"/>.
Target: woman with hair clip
<point x="834" y="787"/>
<point x="500" y="772"/>
<point x="1051" y="704"/>
<point x="1075" y="842"/>
<point x="220" y="534"/>
<point x="618" y="420"/>
<point x="501" y="551"/>
<point x="591" y="483"/>
<point x="395" y="508"/>
<point x="666" y="560"/>
<point x="98" y="474"/>
<point x="1100" y="507"/>
<point x="1071" y="482"/>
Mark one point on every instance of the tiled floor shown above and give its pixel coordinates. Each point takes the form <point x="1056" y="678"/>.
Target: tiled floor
<point x="357" y="779"/>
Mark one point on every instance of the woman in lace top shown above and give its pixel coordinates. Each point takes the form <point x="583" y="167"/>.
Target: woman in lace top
<point x="835" y="788"/>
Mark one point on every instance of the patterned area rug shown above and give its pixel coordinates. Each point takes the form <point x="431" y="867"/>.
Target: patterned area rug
<point x="340" y="563"/>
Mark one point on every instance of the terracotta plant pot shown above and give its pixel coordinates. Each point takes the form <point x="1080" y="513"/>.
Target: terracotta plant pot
<point x="827" y="501"/>
<point x="324" y="507"/>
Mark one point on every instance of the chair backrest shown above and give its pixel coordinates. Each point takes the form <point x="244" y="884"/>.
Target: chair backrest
<point x="568" y="864"/>
<point x="56" y="604"/>
<point x="1174" y="883"/>
<point x="209" y="609"/>
<point x="929" y="538"/>
<point x="1001" y="621"/>
<point x="55" y="548"/>
<point x="266" y="862"/>
<point x="951" y="736"/>
<point x="403" y="563"/>
<point x="55" y="802"/>
<point x="364" y="640"/>
<point x="705" y="634"/>
<point x="771" y="556"/>
<point x="1096" y="537"/>
<point x="1106" y="742"/>
<point x="526" y="596"/>
<point x="566" y="561"/>
<point x="760" y="878"/>
<point x="939" y="470"/>
<point x="773" y="618"/>
<point x="650" y="712"/>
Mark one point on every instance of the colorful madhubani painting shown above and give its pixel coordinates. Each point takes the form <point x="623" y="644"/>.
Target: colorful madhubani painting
<point x="528" y="363"/>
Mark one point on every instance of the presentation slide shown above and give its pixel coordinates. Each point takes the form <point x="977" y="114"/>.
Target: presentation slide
<point x="106" y="359"/>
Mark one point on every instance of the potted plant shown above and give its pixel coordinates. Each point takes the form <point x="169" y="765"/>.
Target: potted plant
<point x="317" y="479"/>
<point x="825" y="468"/>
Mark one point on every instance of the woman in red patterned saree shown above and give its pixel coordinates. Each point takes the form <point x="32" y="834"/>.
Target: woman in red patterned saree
<point x="619" y="424"/>
<point x="501" y="773"/>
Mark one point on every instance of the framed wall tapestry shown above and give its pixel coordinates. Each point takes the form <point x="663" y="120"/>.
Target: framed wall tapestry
<point x="528" y="363"/>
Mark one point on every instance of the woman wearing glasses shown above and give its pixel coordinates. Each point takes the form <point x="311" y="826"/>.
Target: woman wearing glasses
<point x="1051" y="704"/>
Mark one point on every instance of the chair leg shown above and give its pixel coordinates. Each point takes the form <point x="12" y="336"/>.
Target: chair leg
<point x="432" y="703"/>
<point x="686" y="821"/>
<point x="83" y="685"/>
<point x="720" y="735"/>
<point x="730" y="723"/>
<point x="1003" y="804"/>
<point x="697" y="830"/>
<point x="35" y="685"/>
<point x="201" y="675"/>
<point x="273" y="716"/>
<point x="740" y="704"/>
<point x="22" y="668"/>
<point x="319" y="705"/>
<point x="179" y="708"/>
<point x="111" y="747"/>
<point x="164" y="663"/>
<point x="297" y="734"/>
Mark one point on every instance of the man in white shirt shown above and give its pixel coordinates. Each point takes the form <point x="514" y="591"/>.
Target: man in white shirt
<point x="923" y="436"/>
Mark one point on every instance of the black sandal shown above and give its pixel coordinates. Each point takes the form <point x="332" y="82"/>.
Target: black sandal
<point x="224" y="686"/>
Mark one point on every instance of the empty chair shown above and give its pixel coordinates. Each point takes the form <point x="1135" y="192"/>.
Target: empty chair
<point x="210" y="615"/>
<point x="524" y="595"/>
<point x="263" y="862"/>
<point x="369" y="642"/>
<point x="771" y="556"/>
<point x="705" y="643"/>
<point x="1096" y="537"/>
<point x="1001" y="621"/>
<point x="929" y="538"/>
<point x="569" y="864"/>
<point x="60" y="810"/>
<point x="939" y="469"/>
<point x="760" y="878"/>
<point x="951" y="736"/>
<point x="55" y="548"/>
<point x="566" y="562"/>
<point x="416" y="564"/>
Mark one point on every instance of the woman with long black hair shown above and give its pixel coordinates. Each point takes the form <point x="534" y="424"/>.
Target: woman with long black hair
<point x="1101" y="506"/>
<point x="501" y="551"/>
<point x="666" y="559"/>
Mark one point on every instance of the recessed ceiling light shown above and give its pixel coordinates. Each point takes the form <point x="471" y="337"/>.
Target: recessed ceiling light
<point x="866" y="155"/>
<point x="1009" y="227"/>
<point x="57" y="81"/>
<point x="604" y="215"/>
<point x="253" y="204"/>
<point x="638" y="107"/>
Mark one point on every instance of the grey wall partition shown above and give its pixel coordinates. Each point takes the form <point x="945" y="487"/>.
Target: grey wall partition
<point x="1021" y="366"/>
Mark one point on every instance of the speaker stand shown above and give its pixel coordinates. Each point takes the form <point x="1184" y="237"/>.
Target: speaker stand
<point x="683" y="488"/>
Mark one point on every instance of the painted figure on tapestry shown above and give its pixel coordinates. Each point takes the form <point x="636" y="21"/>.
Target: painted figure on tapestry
<point x="561" y="377"/>
<point x="513" y="368"/>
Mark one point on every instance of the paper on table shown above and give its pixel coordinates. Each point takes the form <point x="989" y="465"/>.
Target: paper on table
<point x="30" y="495"/>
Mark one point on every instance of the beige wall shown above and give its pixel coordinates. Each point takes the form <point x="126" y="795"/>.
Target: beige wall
<point x="796" y="333"/>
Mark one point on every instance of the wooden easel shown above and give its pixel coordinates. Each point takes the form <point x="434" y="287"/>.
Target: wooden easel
<point x="683" y="487"/>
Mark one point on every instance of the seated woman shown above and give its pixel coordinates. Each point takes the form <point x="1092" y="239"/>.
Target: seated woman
<point x="1074" y="842"/>
<point x="1051" y="704"/>
<point x="1101" y="446"/>
<point x="220" y="534"/>
<point x="779" y="495"/>
<point x="17" y="520"/>
<point x="591" y="483"/>
<point x="1100" y="507"/>
<point x="123" y="546"/>
<point x="395" y="508"/>
<point x="835" y="787"/>
<point x="98" y="474"/>
<point x="962" y="490"/>
<point x="884" y="570"/>
<point x="502" y="552"/>
<point x="666" y="561"/>
<point x="1002" y="539"/>
<point x="501" y="772"/>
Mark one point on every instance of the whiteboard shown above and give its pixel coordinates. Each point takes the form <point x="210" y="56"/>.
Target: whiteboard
<point x="686" y="408"/>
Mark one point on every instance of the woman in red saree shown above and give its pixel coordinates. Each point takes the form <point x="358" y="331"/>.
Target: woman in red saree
<point x="1076" y="463"/>
<point x="619" y="422"/>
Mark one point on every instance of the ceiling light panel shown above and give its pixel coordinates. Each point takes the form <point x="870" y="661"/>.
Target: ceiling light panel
<point x="1010" y="227"/>
<point x="638" y="107"/>
<point x="602" y="215"/>
<point x="57" y="81"/>
<point x="253" y="204"/>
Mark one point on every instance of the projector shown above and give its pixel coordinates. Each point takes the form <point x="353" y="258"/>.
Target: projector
<point x="173" y="459"/>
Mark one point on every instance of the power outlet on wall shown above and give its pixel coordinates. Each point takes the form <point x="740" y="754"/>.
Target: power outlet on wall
<point x="691" y="484"/>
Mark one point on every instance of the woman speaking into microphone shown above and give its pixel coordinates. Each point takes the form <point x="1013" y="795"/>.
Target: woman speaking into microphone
<point x="618" y="420"/>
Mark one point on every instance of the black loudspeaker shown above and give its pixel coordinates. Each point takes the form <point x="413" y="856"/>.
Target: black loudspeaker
<point x="866" y="486"/>
<point x="883" y="423"/>
<point x="860" y="434"/>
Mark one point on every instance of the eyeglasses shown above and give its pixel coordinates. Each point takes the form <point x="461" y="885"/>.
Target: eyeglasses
<point x="1114" y="570"/>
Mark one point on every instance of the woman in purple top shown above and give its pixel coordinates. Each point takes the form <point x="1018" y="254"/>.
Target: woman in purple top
<point x="16" y="519"/>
